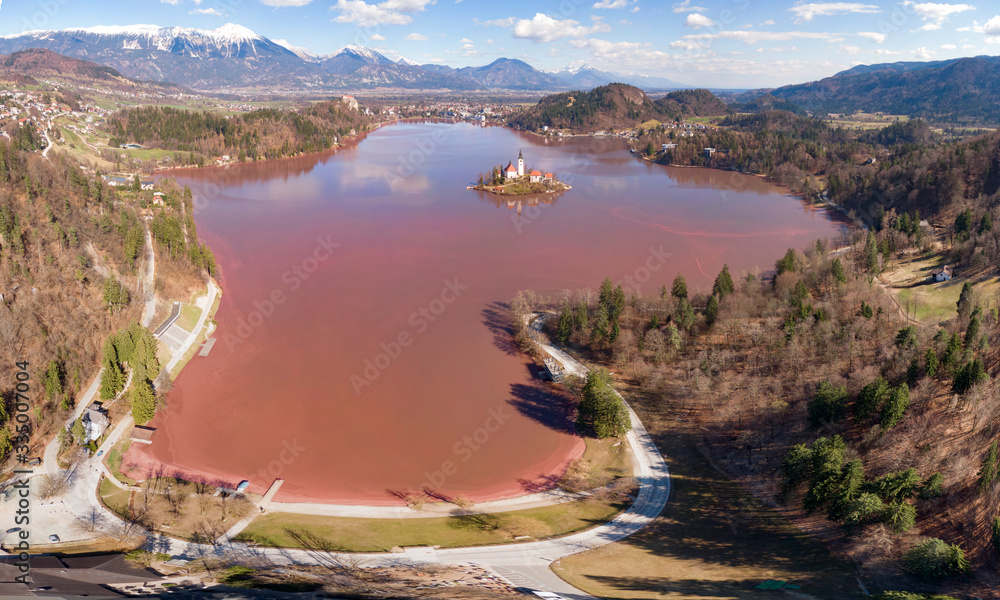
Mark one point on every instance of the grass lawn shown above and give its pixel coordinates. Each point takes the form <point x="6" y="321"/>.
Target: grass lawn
<point x="114" y="461"/>
<point x="932" y="303"/>
<point x="189" y="317"/>
<point x="381" y="535"/>
<point x="713" y="540"/>
<point x="114" y="497"/>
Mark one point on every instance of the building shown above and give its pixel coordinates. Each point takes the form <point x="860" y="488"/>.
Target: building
<point x="709" y="152"/>
<point x="943" y="275"/>
<point x="549" y="177"/>
<point x="669" y="146"/>
<point x="535" y="177"/>
<point x="520" y="164"/>
<point x="95" y="422"/>
<point x="510" y="172"/>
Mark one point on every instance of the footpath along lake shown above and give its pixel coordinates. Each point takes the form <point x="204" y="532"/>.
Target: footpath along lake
<point x="362" y="346"/>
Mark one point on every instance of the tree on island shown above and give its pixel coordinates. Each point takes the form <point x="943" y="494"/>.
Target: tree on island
<point x="601" y="411"/>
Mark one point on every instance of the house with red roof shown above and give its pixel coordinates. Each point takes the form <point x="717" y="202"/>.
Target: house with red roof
<point x="535" y="177"/>
<point x="510" y="172"/>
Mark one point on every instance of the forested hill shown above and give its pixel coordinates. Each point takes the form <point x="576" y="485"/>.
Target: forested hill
<point x="27" y="66"/>
<point x="614" y="106"/>
<point x="959" y="91"/>
<point x="261" y="134"/>
<point x="68" y="246"/>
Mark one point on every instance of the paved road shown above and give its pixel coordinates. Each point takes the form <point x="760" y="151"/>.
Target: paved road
<point x="524" y="564"/>
<point x="149" y="282"/>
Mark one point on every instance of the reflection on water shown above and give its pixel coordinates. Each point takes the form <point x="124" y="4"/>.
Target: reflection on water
<point x="410" y="302"/>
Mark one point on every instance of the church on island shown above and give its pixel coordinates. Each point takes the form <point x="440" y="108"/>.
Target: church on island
<point x="516" y="180"/>
<point x="511" y="173"/>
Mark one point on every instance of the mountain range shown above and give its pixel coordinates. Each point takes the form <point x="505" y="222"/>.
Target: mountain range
<point x="961" y="90"/>
<point x="234" y="58"/>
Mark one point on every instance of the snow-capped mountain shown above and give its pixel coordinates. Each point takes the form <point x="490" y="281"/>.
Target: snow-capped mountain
<point x="586" y="77"/>
<point x="231" y="56"/>
<point x="234" y="58"/>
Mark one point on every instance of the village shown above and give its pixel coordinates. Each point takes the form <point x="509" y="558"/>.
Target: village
<point x="516" y="180"/>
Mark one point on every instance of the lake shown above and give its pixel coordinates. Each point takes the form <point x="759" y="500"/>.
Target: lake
<point x="363" y="351"/>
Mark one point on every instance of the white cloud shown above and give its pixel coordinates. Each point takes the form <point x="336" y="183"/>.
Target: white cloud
<point x="967" y="46"/>
<point x="696" y="21"/>
<point x="686" y="7"/>
<point x="416" y="37"/>
<point x="171" y="2"/>
<point x="543" y="28"/>
<point x="388" y="12"/>
<point x="922" y="53"/>
<point x="927" y="27"/>
<point x="614" y="3"/>
<point x="884" y="52"/>
<point x="931" y="11"/>
<point x="768" y="22"/>
<point x="850" y="49"/>
<point x="378" y="37"/>
<point x="949" y="47"/>
<point x="496" y="22"/>
<point x="688" y="45"/>
<point x="465" y="41"/>
<point x="806" y="12"/>
<point x="205" y="11"/>
<point x="877" y="38"/>
<point x="756" y="37"/>
<point x="285" y="2"/>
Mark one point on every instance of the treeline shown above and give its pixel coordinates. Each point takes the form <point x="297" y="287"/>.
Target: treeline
<point x="63" y="235"/>
<point x="813" y="378"/>
<point x="614" y="106"/>
<point x="902" y="167"/>
<point x="179" y="236"/>
<point x="130" y="357"/>
<point x="258" y="135"/>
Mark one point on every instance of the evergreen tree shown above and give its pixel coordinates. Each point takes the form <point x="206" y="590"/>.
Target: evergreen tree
<point x="893" y="409"/>
<point x="78" y="431"/>
<point x="684" y="315"/>
<point x="601" y="410"/>
<point x="565" y="327"/>
<point x="965" y="301"/>
<point x="986" y="223"/>
<point x="680" y="288"/>
<point x="143" y="402"/>
<point x="871" y="398"/>
<point x="787" y="263"/>
<point x="837" y="270"/>
<point x="973" y="330"/>
<point x="828" y="405"/>
<point x="112" y="378"/>
<point x="723" y="283"/>
<point x="581" y="316"/>
<point x="970" y="375"/>
<point x="988" y="470"/>
<point x="600" y="330"/>
<point x="711" y="310"/>
<point x="930" y="362"/>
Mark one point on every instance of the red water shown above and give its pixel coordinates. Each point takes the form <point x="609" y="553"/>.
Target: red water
<point x="319" y="390"/>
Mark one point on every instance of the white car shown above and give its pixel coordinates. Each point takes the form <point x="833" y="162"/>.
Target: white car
<point x="54" y="538"/>
<point x="548" y="595"/>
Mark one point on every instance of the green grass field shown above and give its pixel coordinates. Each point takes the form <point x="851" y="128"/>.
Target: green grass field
<point x="189" y="317"/>
<point x="285" y="530"/>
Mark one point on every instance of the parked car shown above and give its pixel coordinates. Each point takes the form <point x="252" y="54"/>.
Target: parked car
<point x="99" y="453"/>
<point x="54" y="538"/>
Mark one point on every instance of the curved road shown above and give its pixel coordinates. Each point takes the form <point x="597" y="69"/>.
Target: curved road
<point x="524" y="565"/>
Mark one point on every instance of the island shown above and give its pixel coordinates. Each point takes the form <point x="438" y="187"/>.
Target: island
<point x="512" y="180"/>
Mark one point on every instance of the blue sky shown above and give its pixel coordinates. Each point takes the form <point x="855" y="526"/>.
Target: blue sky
<point x="723" y="43"/>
